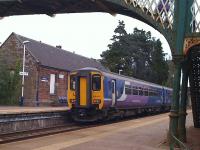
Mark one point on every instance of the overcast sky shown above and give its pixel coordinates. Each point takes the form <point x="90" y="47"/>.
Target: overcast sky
<point x="86" y="34"/>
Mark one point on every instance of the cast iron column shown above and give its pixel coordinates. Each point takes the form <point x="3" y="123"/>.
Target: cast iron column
<point x="179" y="35"/>
<point x="173" y="126"/>
<point x="183" y="103"/>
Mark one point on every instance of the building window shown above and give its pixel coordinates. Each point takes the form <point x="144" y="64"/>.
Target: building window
<point x="52" y="83"/>
<point x="61" y="76"/>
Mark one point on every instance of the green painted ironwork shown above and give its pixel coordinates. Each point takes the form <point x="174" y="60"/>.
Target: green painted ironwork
<point x="173" y="125"/>
<point x="195" y="10"/>
<point x="183" y="102"/>
<point x="180" y="143"/>
<point x="179" y="31"/>
<point x="161" y="11"/>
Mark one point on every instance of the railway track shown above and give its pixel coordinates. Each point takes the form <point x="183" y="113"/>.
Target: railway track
<point x="18" y="136"/>
<point x="23" y="135"/>
<point x="29" y="134"/>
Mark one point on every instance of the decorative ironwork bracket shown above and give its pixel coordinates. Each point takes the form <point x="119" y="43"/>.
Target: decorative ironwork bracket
<point x="189" y="43"/>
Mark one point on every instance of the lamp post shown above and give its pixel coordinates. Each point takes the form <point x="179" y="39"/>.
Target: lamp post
<point x="23" y="73"/>
<point x="120" y="71"/>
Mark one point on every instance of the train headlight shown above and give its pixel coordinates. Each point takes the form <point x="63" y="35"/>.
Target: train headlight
<point x="96" y="101"/>
<point x="73" y="101"/>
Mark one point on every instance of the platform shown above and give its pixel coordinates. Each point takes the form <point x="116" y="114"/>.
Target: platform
<point x="148" y="133"/>
<point x="20" y="119"/>
<point x="20" y="110"/>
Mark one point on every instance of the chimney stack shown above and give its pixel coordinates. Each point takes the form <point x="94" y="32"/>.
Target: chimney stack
<point x="59" y="46"/>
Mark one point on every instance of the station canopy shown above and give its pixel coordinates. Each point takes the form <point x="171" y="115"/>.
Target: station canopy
<point x="52" y="7"/>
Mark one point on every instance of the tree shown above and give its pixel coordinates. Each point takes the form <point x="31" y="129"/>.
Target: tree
<point x="9" y="84"/>
<point x="159" y="66"/>
<point x="171" y="71"/>
<point x="115" y="57"/>
<point x="138" y="54"/>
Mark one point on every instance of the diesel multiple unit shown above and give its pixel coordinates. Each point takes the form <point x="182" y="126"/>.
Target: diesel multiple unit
<point x="95" y="95"/>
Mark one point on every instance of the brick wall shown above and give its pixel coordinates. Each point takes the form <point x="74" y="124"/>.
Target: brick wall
<point x="38" y="80"/>
<point x="11" y="52"/>
<point x="60" y="95"/>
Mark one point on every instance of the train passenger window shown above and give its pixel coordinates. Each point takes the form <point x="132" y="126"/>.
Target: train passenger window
<point x="96" y="82"/>
<point x="157" y="93"/>
<point x="153" y="93"/>
<point x="128" y="89"/>
<point x="140" y="91"/>
<point x="135" y="91"/>
<point x="72" y="82"/>
<point x="150" y="93"/>
<point x="146" y="93"/>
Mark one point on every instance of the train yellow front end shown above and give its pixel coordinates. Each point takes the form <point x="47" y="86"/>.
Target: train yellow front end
<point x="85" y="94"/>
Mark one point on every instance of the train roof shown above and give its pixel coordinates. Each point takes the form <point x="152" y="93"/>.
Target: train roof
<point x="123" y="77"/>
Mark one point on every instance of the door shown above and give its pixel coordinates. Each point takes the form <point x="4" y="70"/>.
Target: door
<point x="113" y="92"/>
<point x="52" y="83"/>
<point x="83" y="91"/>
<point x="163" y="96"/>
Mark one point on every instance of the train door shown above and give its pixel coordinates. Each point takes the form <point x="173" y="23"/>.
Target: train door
<point x="83" y="91"/>
<point x="113" y="92"/>
<point x="163" y="96"/>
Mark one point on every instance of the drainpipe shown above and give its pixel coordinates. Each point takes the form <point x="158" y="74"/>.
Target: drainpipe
<point x="37" y="86"/>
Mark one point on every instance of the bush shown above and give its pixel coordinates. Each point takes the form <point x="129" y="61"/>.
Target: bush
<point x="9" y="85"/>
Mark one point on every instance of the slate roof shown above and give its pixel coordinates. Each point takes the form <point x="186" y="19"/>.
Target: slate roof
<point x="51" y="56"/>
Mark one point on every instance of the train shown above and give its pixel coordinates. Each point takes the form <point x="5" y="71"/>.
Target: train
<point x="99" y="95"/>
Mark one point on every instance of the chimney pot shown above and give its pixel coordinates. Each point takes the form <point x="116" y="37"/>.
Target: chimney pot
<point x="58" y="46"/>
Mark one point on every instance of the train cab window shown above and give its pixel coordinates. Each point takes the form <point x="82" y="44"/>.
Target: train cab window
<point x="72" y="82"/>
<point x="96" y="82"/>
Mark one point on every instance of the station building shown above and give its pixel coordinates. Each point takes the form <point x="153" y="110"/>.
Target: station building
<point x="47" y="66"/>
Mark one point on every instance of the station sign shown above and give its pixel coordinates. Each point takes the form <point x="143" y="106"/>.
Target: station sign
<point x="23" y="73"/>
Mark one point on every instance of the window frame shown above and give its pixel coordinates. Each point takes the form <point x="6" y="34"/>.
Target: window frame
<point x="52" y="84"/>
<point x="72" y="87"/>
<point x="134" y="90"/>
<point x="100" y="86"/>
<point x="128" y="90"/>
